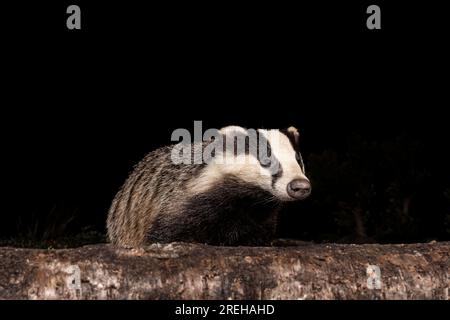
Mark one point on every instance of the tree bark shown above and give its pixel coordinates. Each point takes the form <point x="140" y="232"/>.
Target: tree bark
<point x="193" y="271"/>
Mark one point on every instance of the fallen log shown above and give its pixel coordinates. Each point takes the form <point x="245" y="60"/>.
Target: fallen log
<point x="193" y="271"/>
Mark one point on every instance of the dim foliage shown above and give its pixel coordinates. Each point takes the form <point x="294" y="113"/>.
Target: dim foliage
<point x="377" y="191"/>
<point x="59" y="227"/>
<point x="368" y="190"/>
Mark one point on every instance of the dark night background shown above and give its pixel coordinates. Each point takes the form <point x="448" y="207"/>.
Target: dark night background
<point x="82" y="107"/>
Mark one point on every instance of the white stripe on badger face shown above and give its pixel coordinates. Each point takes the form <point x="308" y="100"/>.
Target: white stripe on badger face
<point x="244" y="166"/>
<point x="284" y="152"/>
<point x="232" y="129"/>
<point x="248" y="168"/>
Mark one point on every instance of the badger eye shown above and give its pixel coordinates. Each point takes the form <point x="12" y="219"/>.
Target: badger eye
<point x="266" y="162"/>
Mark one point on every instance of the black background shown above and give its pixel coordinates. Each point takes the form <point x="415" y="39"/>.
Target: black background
<point x="81" y="107"/>
<point x="283" y="309"/>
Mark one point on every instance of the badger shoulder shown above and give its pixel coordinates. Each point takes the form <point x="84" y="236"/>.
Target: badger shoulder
<point x="155" y="186"/>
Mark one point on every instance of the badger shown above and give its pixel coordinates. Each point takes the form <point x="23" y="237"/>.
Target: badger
<point x="216" y="202"/>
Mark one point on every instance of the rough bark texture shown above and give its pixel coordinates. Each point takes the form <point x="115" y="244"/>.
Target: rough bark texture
<point x="191" y="271"/>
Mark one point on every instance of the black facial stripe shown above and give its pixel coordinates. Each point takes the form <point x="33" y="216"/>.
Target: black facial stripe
<point x="273" y="160"/>
<point x="278" y="175"/>
<point x="291" y="137"/>
<point x="295" y="145"/>
<point x="262" y="141"/>
<point x="300" y="161"/>
<point x="249" y="149"/>
<point x="269" y="162"/>
<point x="237" y="136"/>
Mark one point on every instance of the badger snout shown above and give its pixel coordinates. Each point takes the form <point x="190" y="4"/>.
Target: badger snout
<point x="299" y="188"/>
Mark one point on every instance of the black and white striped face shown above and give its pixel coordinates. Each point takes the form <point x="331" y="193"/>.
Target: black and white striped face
<point x="269" y="159"/>
<point x="288" y="178"/>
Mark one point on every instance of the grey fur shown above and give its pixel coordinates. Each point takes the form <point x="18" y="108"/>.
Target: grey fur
<point x="155" y="205"/>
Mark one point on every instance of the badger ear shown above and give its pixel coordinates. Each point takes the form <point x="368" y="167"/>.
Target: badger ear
<point x="293" y="135"/>
<point x="232" y="129"/>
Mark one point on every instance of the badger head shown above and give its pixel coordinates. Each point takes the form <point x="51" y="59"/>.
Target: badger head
<point x="269" y="159"/>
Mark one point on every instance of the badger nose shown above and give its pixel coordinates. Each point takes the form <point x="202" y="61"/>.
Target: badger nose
<point x="299" y="188"/>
